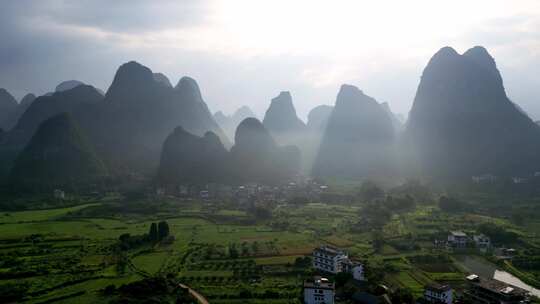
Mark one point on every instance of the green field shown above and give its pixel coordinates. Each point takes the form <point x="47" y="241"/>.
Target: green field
<point x="70" y="255"/>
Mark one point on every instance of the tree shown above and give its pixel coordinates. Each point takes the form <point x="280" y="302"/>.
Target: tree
<point x="302" y="262"/>
<point x="163" y="230"/>
<point x="517" y="218"/>
<point x="421" y="193"/>
<point x="124" y="237"/>
<point x="400" y="203"/>
<point x="498" y="234"/>
<point x="262" y="213"/>
<point x="13" y="292"/>
<point x="376" y="214"/>
<point x="450" y="204"/>
<point x="342" y="278"/>
<point x="402" y="295"/>
<point x="369" y="191"/>
<point x="153" y="234"/>
<point x="121" y="264"/>
<point x="377" y="241"/>
<point x="233" y="252"/>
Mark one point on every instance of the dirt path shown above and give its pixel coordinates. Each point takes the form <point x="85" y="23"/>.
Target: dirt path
<point x="198" y="296"/>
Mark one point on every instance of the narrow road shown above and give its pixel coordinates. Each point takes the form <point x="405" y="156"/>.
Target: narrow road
<point x="198" y="296"/>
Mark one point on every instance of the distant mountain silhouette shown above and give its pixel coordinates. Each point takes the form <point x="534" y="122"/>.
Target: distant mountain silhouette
<point x="24" y="104"/>
<point x="162" y="79"/>
<point x="257" y="158"/>
<point x="141" y="111"/>
<point x="8" y="106"/>
<point x="68" y="85"/>
<point x="129" y="124"/>
<point x="193" y="112"/>
<point x="12" y="115"/>
<point x="221" y="119"/>
<point x="242" y="113"/>
<point x="396" y="122"/>
<point x="318" y="118"/>
<point x="79" y="101"/>
<point x="229" y="123"/>
<point x="359" y="138"/>
<point x="286" y="128"/>
<point x="281" y="120"/>
<point x="311" y="140"/>
<point x="462" y="123"/>
<point x="189" y="159"/>
<point x="27" y="100"/>
<point x="192" y="160"/>
<point x="58" y="155"/>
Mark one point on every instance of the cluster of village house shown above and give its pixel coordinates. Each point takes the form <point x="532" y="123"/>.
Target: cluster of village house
<point x="460" y="240"/>
<point x="305" y="188"/>
<point x="331" y="261"/>
<point x="490" y="178"/>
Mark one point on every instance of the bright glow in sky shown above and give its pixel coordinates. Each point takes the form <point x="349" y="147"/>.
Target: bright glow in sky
<point x="246" y="51"/>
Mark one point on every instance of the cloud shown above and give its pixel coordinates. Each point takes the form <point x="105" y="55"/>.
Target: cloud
<point x="245" y="52"/>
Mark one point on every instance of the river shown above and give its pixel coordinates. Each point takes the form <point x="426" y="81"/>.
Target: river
<point x="484" y="268"/>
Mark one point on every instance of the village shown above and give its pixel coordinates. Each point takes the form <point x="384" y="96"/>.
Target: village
<point x="332" y="261"/>
<point x="300" y="242"/>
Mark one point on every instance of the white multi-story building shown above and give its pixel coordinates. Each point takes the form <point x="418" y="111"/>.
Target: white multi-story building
<point x="329" y="259"/>
<point x="319" y="291"/>
<point x="436" y="293"/>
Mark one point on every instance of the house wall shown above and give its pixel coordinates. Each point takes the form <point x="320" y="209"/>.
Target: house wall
<point x="358" y="273"/>
<point x="318" y="296"/>
<point x="327" y="263"/>
<point x="438" y="297"/>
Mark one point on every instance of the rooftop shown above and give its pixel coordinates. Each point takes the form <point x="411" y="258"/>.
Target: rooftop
<point x="319" y="283"/>
<point x="458" y="233"/>
<point x="496" y="286"/>
<point x="438" y="287"/>
<point x="329" y="250"/>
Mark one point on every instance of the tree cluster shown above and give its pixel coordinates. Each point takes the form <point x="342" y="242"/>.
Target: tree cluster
<point x="498" y="234"/>
<point x="158" y="231"/>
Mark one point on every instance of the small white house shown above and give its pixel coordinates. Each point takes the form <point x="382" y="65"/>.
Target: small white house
<point x="319" y="291"/>
<point x="436" y="293"/>
<point x="519" y="180"/>
<point x="457" y="239"/>
<point x="358" y="272"/>
<point x="160" y="192"/>
<point x="204" y="194"/>
<point x="482" y="242"/>
<point x="485" y="178"/>
<point x="59" y="194"/>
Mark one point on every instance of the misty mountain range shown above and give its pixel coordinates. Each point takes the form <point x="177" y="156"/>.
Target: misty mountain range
<point x="461" y="124"/>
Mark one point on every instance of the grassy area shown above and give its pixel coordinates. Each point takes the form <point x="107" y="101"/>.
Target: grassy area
<point x="69" y="254"/>
<point x="40" y="215"/>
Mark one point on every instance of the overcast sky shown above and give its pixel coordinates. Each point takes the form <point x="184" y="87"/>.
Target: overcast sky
<point x="247" y="51"/>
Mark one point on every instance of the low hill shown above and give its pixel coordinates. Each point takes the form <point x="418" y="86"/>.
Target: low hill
<point x="57" y="156"/>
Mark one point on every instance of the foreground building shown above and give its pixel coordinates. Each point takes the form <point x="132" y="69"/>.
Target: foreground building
<point x="437" y="294"/>
<point x="319" y="291"/>
<point x="490" y="291"/>
<point x="329" y="259"/>
<point x="333" y="260"/>
<point x="357" y="271"/>
<point x="482" y="242"/>
<point x="457" y="239"/>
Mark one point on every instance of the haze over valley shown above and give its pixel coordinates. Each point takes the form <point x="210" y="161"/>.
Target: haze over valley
<point x="279" y="152"/>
